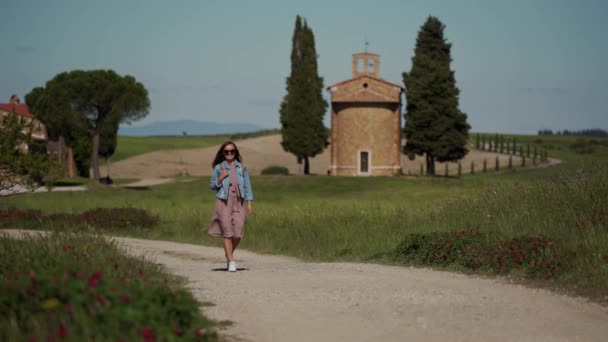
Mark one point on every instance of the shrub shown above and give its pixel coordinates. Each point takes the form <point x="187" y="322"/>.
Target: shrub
<point x="536" y="255"/>
<point x="275" y="170"/>
<point x="83" y="288"/>
<point x="582" y="146"/>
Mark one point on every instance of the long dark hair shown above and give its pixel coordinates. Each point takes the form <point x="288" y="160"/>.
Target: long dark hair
<point x="219" y="156"/>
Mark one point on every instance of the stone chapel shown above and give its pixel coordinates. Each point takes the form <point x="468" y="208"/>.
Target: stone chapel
<point x="365" y="122"/>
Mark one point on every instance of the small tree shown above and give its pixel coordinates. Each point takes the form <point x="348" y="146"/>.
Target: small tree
<point x="528" y="150"/>
<point x="497" y="166"/>
<point x="477" y="141"/>
<point x="514" y="148"/>
<point x="535" y="151"/>
<point x="510" y="162"/>
<point x="472" y="167"/>
<point x="521" y="150"/>
<point x="502" y="144"/>
<point x="483" y="142"/>
<point x="485" y="166"/>
<point x="523" y="161"/>
<point x="18" y="166"/>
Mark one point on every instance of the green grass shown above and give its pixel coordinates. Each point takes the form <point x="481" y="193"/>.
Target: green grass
<point x="362" y="219"/>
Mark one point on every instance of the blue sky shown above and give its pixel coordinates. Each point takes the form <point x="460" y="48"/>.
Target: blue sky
<point x="521" y="65"/>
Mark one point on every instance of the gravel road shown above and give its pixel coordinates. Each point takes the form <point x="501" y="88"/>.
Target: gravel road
<point x="274" y="298"/>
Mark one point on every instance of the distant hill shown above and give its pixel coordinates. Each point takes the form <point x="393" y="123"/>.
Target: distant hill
<point x="191" y="127"/>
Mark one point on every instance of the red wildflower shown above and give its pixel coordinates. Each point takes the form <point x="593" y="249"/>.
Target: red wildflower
<point x="63" y="332"/>
<point x="606" y="258"/>
<point x="124" y="298"/>
<point x="93" y="282"/>
<point x="147" y="333"/>
<point x="176" y="331"/>
<point x="32" y="274"/>
<point x="69" y="308"/>
<point x="31" y="339"/>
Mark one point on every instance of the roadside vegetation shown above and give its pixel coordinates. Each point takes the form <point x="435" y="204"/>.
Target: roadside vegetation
<point x="83" y="287"/>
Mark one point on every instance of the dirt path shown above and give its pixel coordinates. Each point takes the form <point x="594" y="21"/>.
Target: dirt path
<point x="273" y="298"/>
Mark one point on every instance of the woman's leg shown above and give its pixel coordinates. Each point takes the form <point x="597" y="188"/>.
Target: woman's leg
<point x="235" y="242"/>
<point x="228" y="248"/>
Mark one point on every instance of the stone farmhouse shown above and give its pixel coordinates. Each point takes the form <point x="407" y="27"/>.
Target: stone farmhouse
<point x="22" y="109"/>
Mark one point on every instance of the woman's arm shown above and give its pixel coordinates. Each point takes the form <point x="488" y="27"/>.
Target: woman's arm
<point x="247" y="186"/>
<point x="216" y="178"/>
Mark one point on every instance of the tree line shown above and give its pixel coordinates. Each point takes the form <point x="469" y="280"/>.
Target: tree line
<point x="593" y="132"/>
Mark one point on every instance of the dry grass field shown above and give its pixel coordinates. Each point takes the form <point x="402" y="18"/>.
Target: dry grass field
<point x="261" y="152"/>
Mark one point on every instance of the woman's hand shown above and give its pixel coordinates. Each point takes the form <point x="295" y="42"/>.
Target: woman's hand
<point x="249" y="208"/>
<point x="223" y="174"/>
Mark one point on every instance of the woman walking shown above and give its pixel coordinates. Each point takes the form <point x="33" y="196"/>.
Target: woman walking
<point x="230" y="180"/>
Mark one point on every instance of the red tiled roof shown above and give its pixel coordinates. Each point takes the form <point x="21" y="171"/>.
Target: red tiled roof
<point x="19" y="108"/>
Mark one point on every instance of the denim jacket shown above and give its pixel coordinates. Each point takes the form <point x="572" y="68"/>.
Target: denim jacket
<point x="242" y="176"/>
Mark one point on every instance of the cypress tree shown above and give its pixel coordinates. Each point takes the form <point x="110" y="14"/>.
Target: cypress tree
<point x="477" y="141"/>
<point x="485" y="166"/>
<point x="514" y="148"/>
<point x="497" y="166"/>
<point x="496" y="143"/>
<point x="483" y="142"/>
<point x="303" y="107"/>
<point x="434" y="125"/>
<point x="510" y="162"/>
<point x="502" y="144"/>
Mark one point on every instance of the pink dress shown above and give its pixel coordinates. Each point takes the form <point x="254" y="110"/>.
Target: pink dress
<point x="229" y="215"/>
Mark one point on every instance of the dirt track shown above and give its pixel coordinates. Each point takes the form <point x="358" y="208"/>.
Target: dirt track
<point x="273" y="298"/>
<point x="262" y="152"/>
<point x="276" y="298"/>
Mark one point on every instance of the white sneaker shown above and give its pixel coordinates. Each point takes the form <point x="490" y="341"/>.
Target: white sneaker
<point x="232" y="266"/>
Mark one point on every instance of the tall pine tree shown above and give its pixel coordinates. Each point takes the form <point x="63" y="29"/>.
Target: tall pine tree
<point x="434" y="126"/>
<point x="303" y="107"/>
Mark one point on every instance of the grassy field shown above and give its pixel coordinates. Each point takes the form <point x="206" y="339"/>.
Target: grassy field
<point x="132" y="146"/>
<point x="365" y="219"/>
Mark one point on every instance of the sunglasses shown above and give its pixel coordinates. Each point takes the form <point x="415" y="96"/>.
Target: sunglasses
<point x="227" y="152"/>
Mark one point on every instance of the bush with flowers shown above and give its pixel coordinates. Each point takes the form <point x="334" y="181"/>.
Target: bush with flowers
<point x="534" y="256"/>
<point x="78" y="287"/>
